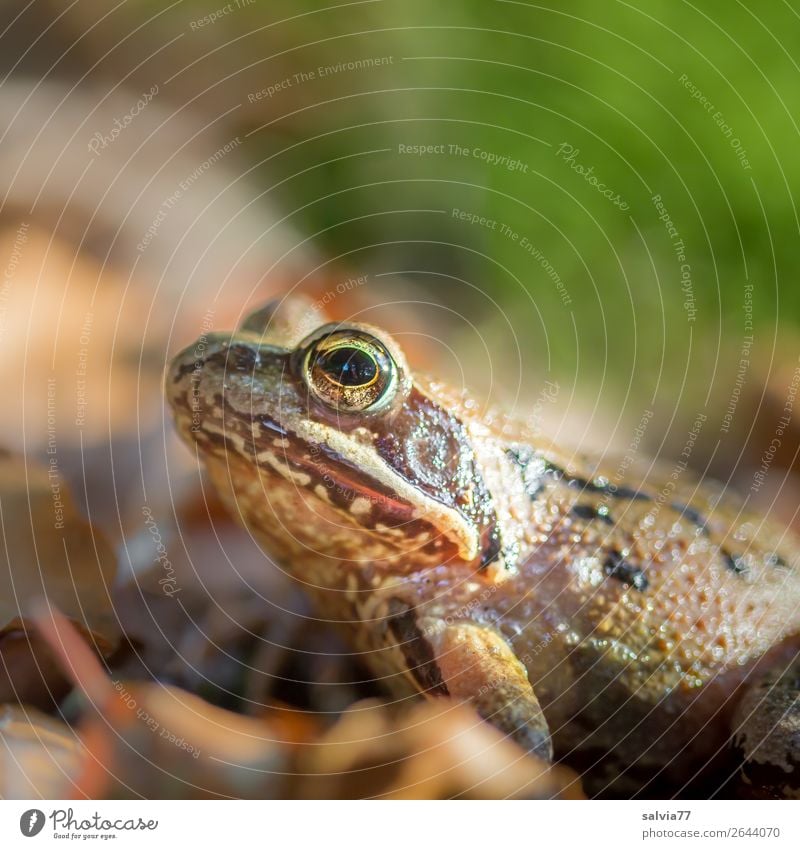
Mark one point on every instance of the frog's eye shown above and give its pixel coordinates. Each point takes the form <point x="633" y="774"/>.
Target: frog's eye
<point x="350" y="371"/>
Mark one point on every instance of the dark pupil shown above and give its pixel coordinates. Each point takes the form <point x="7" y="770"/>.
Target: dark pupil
<point x="349" y="366"/>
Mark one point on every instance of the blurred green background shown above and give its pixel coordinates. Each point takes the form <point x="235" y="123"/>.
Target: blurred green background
<point x="697" y="103"/>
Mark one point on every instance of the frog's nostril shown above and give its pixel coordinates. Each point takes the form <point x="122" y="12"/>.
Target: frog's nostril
<point x="188" y="364"/>
<point x="241" y="358"/>
<point x="181" y="368"/>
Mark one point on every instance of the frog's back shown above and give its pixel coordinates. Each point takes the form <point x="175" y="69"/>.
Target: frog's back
<point x="680" y="574"/>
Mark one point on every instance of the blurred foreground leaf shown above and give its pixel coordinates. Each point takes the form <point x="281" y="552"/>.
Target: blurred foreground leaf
<point x="436" y="750"/>
<point x="156" y="741"/>
<point x="48" y="551"/>
<point x="39" y="756"/>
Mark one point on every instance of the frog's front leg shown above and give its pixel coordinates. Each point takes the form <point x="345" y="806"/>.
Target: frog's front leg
<point x="473" y="663"/>
<point x="766" y="729"/>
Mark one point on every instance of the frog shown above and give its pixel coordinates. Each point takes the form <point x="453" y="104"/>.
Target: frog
<point x="615" y="616"/>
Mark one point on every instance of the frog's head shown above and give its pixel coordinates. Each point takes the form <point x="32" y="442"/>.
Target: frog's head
<point x="327" y="444"/>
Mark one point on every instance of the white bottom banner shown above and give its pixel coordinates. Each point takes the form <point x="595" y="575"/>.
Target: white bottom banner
<point x="331" y="824"/>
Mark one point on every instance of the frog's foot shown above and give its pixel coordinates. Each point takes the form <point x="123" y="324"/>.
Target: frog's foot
<point x="766" y="730"/>
<point x="475" y="664"/>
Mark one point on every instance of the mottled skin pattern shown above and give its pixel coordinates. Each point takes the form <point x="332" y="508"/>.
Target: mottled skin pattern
<point x="616" y="622"/>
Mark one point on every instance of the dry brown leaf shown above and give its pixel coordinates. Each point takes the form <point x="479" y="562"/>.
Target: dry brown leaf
<point x="156" y="741"/>
<point x="39" y="755"/>
<point x="436" y="750"/>
<point x="48" y="551"/>
<point x="168" y="743"/>
<point x="70" y="324"/>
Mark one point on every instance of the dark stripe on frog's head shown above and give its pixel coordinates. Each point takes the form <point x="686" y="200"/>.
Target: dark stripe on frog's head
<point x="429" y="446"/>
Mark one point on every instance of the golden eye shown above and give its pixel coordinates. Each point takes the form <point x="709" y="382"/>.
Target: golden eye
<point x="352" y="372"/>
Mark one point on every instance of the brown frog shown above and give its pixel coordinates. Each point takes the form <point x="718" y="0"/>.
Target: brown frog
<point x="617" y="622"/>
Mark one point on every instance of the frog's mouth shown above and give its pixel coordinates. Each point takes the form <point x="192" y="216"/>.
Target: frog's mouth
<point x="338" y="481"/>
<point x="376" y="501"/>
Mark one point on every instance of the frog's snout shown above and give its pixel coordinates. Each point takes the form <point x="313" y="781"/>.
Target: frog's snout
<point x="196" y="374"/>
<point x="223" y="370"/>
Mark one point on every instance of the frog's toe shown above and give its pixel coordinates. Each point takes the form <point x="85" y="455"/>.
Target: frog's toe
<point x="767" y="733"/>
<point x="478" y="666"/>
